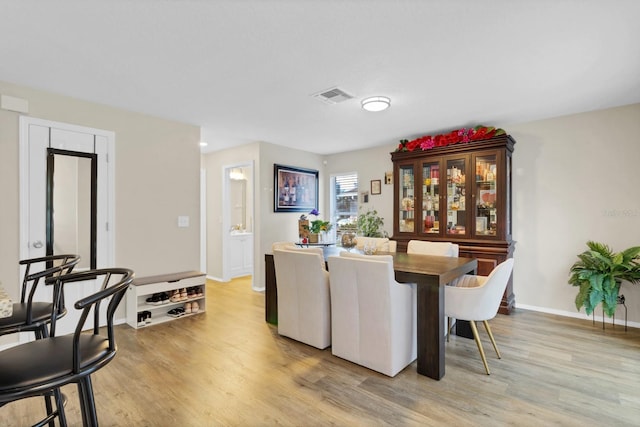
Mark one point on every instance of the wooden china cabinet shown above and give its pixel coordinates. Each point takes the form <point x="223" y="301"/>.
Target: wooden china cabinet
<point x="459" y="193"/>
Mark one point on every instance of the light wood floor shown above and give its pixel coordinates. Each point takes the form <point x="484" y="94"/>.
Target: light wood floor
<point x="227" y="367"/>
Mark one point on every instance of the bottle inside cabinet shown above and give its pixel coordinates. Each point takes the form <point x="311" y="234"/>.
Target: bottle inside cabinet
<point x="456" y="203"/>
<point x="407" y="199"/>
<point x="431" y="198"/>
<point x="486" y="195"/>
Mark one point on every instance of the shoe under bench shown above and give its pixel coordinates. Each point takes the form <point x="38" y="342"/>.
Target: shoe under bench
<point x="143" y="287"/>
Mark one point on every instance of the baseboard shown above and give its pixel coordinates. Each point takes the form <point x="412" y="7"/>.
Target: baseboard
<point x="577" y="315"/>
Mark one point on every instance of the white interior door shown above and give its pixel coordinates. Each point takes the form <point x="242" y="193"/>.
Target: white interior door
<point x="35" y="138"/>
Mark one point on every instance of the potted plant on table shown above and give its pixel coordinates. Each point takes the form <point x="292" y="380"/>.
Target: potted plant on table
<point x="599" y="272"/>
<point x="317" y="227"/>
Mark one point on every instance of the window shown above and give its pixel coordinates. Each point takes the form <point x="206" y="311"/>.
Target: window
<point x="344" y="202"/>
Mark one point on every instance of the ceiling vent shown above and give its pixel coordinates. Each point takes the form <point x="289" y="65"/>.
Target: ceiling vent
<point x="332" y="96"/>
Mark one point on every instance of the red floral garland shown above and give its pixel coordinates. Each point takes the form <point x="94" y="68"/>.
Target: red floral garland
<point x="460" y="136"/>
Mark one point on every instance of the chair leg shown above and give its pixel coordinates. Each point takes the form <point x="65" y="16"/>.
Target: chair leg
<point x="448" y="328"/>
<point x="493" y="341"/>
<point x="60" y="402"/>
<point x="47" y="404"/>
<point x="479" y="344"/>
<point x="59" y="412"/>
<point x="87" y="403"/>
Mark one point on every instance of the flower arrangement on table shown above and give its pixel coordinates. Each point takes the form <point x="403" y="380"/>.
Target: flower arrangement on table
<point x="317" y="225"/>
<point x="459" y="136"/>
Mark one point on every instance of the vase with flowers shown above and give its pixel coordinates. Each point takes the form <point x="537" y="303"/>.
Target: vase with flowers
<point x="317" y="227"/>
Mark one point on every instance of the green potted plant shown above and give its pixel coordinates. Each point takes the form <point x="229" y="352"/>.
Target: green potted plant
<point x="370" y="224"/>
<point x="599" y="272"/>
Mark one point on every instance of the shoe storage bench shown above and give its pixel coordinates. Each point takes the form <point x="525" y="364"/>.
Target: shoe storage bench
<point x="146" y="288"/>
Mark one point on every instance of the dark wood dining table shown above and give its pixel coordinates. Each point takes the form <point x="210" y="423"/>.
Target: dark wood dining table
<point x="431" y="274"/>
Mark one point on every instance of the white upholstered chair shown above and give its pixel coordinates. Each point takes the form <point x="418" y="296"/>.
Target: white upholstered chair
<point x="477" y="298"/>
<point x="432" y="248"/>
<point x="373" y="317"/>
<point x="282" y="245"/>
<point x="382" y="244"/>
<point x="304" y="306"/>
<point x="437" y="249"/>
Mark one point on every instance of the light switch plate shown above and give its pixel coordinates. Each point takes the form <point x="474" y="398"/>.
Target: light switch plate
<point x="183" y="221"/>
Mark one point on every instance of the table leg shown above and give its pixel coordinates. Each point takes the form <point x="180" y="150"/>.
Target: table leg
<point x="430" y="329"/>
<point x="271" y="291"/>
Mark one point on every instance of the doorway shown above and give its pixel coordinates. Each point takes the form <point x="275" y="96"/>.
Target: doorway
<point x="237" y="220"/>
<point x="43" y="145"/>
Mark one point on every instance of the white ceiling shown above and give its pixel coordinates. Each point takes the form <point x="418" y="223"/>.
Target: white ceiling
<point x="244" y="70"/>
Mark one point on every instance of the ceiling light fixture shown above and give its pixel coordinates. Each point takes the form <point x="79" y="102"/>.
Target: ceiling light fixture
<point x="376" y="103"/>
<point x="236" y="174"/>
<point x="203" y="144"/>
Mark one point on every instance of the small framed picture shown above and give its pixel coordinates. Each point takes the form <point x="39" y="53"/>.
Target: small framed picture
<point x="388" y="178"/>
<point x="376" y="185"/>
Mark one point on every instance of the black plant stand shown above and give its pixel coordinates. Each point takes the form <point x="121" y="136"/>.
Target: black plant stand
<point x="621" y="301"/>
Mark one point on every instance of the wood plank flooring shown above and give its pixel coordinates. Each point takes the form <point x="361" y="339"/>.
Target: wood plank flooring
<point x="227" y="367"/>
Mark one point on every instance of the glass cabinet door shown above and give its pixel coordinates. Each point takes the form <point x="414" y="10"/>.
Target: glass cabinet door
<point x="431" y="198"/>
<point x="485" y="197"/>
<point x="456" y="197"/>
<point x="406" y="200"/>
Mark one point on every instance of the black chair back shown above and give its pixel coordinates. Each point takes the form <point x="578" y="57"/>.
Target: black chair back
<point x="42" y="367"/>
<point x="108" y="289"/>
<point x="30" y="315"/>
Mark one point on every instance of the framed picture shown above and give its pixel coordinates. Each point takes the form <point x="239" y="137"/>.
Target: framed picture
<point x="388" y="178"/>
<point x="295" y="189"/>
<point x="376" y="186"/>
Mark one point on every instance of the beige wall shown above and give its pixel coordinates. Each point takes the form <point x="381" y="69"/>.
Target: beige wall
<point x="214" y="164"/>
<point x="157" y="179"/>
<point x="370" y="164"/>
<point x="575" y="179"/>
<point x="268" y="225"/>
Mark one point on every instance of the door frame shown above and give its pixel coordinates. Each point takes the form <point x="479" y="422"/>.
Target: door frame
<point x="106" y="189"/>
<point x="226" y="216"/>
<point x="24" y="176"/>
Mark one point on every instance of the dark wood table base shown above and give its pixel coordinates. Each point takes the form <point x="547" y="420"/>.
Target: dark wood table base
<point x="431" y="274"/>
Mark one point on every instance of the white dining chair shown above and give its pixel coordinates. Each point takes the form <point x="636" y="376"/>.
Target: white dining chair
<point x="381" y="244"/>
<point x="373" y="317"/>
<point x="432" y="248"/>
<point x="477" y="298"/>
<point x="304" y="306"/>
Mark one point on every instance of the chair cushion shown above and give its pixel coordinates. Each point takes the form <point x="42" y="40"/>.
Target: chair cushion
<point x="46" y="360"/>
<point x="41" y="312"/>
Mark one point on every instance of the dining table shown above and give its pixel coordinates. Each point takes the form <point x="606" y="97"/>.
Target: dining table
<point x="430" y="274"/>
